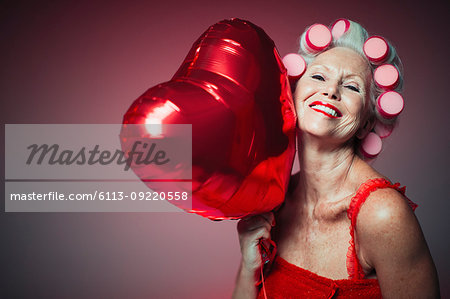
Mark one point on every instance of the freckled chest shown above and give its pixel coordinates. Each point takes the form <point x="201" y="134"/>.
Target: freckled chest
<point x="316" y="243"/>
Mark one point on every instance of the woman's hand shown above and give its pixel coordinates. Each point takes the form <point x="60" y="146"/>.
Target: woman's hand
<point x="251" y="230"/>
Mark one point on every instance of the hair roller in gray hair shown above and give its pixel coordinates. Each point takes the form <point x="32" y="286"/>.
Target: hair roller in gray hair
<point x="339" y="27"/>
<point x="371" y="145"/>
<point x="386" y="76"/>
<point x="376" y="49"/>
<point x="295" y="65"/>
<point x="317" y="38"/>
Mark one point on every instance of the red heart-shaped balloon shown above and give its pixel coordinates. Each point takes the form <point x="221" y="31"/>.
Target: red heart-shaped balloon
<point x="233" y="88"/>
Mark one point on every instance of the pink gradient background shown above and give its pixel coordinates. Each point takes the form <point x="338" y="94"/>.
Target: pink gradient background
<point x="86" y="61"/>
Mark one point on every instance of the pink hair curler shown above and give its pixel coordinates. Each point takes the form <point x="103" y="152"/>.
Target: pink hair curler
<point x="383" y="130"/>
<point x="376" y="49"/>
<point x="295" y="65"/>
<point x="318" y="38"/>
<point x="371" y="145"/>
<point x="390" y="104"/>
<point x="386" y="76"/>
<point x="340" y="27"/>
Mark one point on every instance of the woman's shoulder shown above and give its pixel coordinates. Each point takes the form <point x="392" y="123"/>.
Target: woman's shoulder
<point x="383" y="200"/>
<point x="383" y="212"/>
<point x="384" y="206"/>
<point x="386" y="225"/>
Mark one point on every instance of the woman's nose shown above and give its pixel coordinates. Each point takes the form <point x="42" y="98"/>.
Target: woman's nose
<point x="332" y="92"/>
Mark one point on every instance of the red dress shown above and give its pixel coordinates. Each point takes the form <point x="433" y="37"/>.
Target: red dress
<point x="286" y="280"/>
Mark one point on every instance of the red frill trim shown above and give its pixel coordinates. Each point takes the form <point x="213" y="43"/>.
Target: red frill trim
<point x="290" y="281"/>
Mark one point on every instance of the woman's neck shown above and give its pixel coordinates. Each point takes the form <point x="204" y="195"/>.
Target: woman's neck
<point x="324" y="171"/>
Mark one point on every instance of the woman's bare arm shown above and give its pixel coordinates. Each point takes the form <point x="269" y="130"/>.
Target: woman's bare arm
<point x="392" y="242"/>
<point x="245" y="284"/>
<point x="251" y="230"/>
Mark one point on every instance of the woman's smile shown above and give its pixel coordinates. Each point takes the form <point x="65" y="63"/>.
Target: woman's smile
<point x="326" y="109"/>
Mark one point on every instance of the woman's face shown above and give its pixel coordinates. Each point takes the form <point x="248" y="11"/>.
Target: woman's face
<point x="330" y="98"/>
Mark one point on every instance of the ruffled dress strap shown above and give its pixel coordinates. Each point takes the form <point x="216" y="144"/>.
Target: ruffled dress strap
<point x="354" y="268"/>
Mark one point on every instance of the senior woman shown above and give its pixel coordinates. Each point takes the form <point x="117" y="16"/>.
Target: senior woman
<point x="337" y="199"/>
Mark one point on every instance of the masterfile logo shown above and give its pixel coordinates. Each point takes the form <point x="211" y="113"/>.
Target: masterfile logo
<point x="86" y="168"/>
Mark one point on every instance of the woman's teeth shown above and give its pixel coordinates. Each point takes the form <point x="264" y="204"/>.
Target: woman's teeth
<point x="325" y="109"/>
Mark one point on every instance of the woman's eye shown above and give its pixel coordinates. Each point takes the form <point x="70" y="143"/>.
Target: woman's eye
<point x="318" y="77"/>
<point x="351" y="87"/>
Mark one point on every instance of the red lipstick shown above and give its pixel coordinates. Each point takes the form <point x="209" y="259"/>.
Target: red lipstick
<point x="334" y="113"/>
